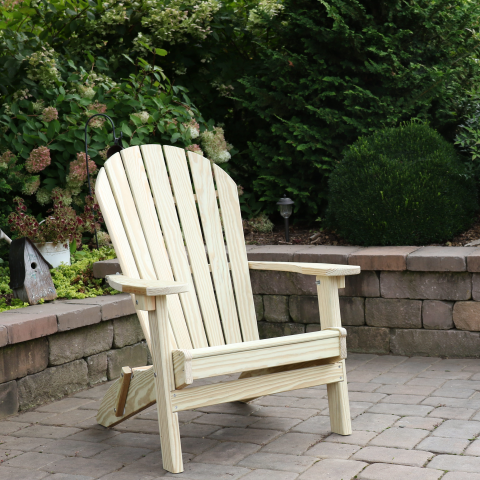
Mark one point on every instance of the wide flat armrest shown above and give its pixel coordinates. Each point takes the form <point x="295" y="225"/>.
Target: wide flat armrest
<point x="149" y="288"/>
<point x="319" y="269"/>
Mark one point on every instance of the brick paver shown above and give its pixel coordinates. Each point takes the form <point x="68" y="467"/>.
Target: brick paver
<point x="413" y="419"/>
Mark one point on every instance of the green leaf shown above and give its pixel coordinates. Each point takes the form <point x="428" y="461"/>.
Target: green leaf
<point x="73" y="246"/>
<point x="160" y="51"/>
<point x="126" y="130"/>
<point x="56" y="146"/>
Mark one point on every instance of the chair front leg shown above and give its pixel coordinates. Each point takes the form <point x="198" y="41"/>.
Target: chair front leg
<point x="164" y="384"/>
<point x="329" y="306"/>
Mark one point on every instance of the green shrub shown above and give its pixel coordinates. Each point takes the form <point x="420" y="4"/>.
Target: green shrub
<point x="401" y="186"/>
<point x="339" y="69"/>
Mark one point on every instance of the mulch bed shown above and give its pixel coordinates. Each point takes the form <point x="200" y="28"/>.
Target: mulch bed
<point x="302" y="235"/>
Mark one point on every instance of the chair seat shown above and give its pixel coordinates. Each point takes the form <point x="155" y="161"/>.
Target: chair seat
<point x="190" y="365"/>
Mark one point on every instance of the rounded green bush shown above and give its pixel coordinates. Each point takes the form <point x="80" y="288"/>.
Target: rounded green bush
<point x="401" y="186"/>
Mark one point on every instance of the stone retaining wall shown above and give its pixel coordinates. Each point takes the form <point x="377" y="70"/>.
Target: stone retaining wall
<point x="406" y="301"/>
<point x="52" y="350"/>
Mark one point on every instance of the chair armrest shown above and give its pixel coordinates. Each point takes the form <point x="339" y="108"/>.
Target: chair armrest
<point x="149" y="288"/>
<point x="318" y="269"/>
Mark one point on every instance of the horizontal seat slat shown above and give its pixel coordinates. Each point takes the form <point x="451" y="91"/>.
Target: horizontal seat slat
<point x="188" y="367"/>
<point x="261" y="344"/>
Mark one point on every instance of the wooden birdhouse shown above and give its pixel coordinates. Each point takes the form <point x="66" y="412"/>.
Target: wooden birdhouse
<point x="30" y="277"/>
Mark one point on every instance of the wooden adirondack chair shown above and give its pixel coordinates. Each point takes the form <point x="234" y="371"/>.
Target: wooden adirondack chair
<point x="188" y="269"/>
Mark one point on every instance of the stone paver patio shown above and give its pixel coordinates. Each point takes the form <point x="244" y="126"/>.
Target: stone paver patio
<point x="413" y="419"/>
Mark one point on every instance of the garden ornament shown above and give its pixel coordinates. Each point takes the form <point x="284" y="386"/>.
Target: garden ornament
<point x="115" y="148"/>
<point x="286" y="208"/>
<point x="30" y="277"/>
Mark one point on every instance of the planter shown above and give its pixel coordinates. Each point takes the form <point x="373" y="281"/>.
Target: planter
<point x="55" y="253"/>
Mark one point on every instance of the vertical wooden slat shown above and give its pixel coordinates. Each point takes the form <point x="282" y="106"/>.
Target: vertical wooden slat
<point x="237" y="253"/>
<point x="116" y="231"/>
<point x="137" y="177"/>
<point x="212" y="231"/>
<point x="133" y="229"/>
<point x="165" y="205"/>
<point x="187" y="211"/>
<point x="329" y="307"/>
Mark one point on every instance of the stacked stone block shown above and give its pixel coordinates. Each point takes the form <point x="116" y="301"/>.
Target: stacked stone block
<point x="49" y="351"/>
<point x="406" y="301"/>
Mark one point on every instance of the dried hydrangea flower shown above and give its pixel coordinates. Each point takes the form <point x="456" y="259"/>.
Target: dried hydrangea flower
<point x="195" y="149"/>
<point x="78" y="171"/>
<point x="38" y="160"/>
<point x="43" y="196"/>
<point x="31" y="185"/>
<point x="42" y="67"/>
<point x="215" y="145"/>
<point x="193" y="128"/>
<point x="49" y="114"/>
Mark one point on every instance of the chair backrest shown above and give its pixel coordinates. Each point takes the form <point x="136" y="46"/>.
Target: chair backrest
<point x="167" y="221"/>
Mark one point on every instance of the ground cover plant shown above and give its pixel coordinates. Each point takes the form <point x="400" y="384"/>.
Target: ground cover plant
<point x="401" y="186"/>
<point x="70" y="281"/>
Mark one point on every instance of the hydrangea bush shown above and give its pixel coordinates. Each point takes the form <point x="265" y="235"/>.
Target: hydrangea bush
<point x="42" y="122"/>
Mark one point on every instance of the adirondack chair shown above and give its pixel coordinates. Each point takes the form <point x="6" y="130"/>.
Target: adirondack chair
<point x="182" y="252"/>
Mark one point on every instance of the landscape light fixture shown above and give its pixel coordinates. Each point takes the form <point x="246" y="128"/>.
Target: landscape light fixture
<point x="115" y="148"/>
<point x="286" y="209"/>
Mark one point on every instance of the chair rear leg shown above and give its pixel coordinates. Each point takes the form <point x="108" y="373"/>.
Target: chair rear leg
<point x="164" y="384"/>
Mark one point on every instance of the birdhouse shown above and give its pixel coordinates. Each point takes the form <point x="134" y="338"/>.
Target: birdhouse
<point x="30" y="277"/>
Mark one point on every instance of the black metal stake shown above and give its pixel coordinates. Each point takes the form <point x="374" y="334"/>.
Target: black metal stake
<point x="287" y="233"/>
<point x="113" y="149"/>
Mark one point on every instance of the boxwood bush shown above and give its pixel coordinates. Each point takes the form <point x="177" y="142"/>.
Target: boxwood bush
<point x="401" y="186"/>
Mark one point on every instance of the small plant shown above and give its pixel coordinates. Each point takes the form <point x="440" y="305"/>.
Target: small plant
<point x="259" y="224"/>
<point x="70" y="281"/>
<point x="401" y="186"/>
<point x="62" y="225"/>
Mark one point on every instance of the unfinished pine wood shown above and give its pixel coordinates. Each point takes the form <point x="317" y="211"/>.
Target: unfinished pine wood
<point x="232" y="223"/>
<point x="164" y="384"/>
<point x="123" y="391"/>
<point x="119" y="238"/>
<point x="187" y="211"/>
<point x="136" y="235"/>
<point x="212" y="232"/>
<point x="165" y="206"/>
<point x="343" y="340"/>
<point x="141" y="395"/>
<point x="318" y="269"/>
<point x="142" y="302"/>
<point x="260" y="344"/>
<point x="329" y="307"/>
<point x="137" y="177"/>
<point x="196" y="397"/>
<point x="150" y="288"/>
<point x="205" y="367"/>
<point x="182" y="368"/>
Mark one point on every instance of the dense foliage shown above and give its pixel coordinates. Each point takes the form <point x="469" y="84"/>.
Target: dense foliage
<point x="72" y="281"/>
<point x="401" y="186"/>
<point x="340" y="69"/>
<point x="49" y="94"/>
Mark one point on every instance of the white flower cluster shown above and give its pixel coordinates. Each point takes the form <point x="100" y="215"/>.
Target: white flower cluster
<point x="268" y="8"/>
<point x="215" y="146"/>
<point x="92" y="80"/>
<point x="42" y="67"/>
<point x="143" y="116"/>
<point x="180" y="20"/>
